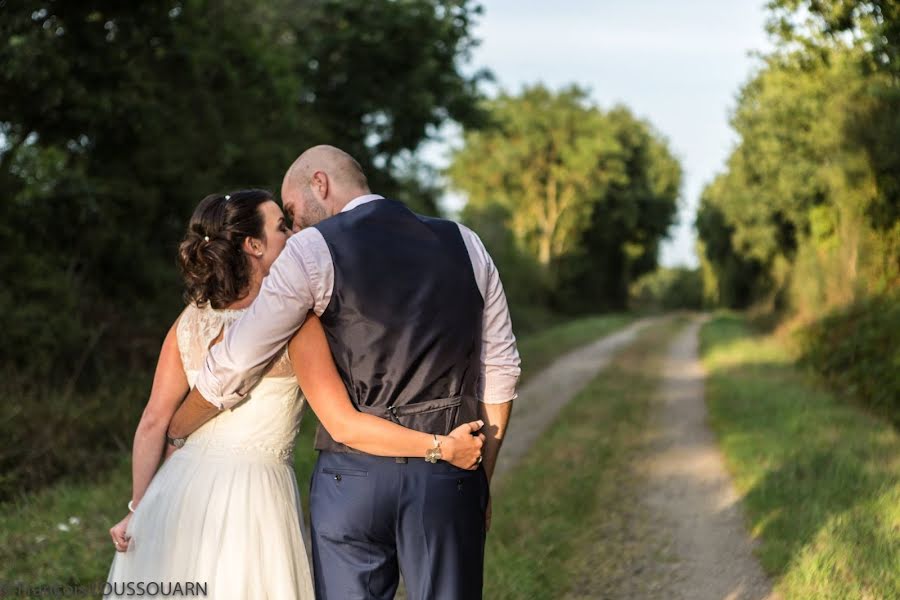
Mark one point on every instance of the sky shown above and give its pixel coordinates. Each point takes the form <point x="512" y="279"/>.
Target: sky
<point x="678" y="64"/>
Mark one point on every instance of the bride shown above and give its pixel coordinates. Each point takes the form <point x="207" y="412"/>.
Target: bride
<point x="222" y="514"/>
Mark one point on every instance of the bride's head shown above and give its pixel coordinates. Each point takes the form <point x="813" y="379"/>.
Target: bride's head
<point x="231" y="241"/>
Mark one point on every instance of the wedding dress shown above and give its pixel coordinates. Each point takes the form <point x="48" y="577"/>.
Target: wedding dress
<point x="224" y="511"/>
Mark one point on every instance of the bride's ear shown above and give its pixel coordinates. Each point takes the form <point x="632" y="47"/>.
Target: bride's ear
<point x="253" y="246"/>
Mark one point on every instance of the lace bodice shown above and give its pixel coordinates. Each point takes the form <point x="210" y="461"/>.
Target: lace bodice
<point x="198" y="328"/>
<point x="267" y="421"/>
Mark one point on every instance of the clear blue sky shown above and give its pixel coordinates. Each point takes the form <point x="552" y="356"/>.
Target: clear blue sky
<point x="677" y="64"/>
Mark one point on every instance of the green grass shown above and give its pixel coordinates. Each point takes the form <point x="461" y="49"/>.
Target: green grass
<point x="565" y="504"/>
<point x="33" y="549"/>
<point x="820" y="478"/>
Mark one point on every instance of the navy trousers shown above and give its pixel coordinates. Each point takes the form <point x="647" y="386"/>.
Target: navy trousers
<point x="373" y="518"/>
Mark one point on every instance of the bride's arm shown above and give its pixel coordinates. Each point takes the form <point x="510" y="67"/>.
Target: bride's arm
<point x="169" y="388"/>
<point x="326" y="394"/>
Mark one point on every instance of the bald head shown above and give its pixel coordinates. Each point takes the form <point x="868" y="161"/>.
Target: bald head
<point x="320" y="183"/>
<point x="340" y="167"/>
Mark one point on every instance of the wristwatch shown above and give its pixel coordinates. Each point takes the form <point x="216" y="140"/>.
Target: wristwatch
<point x="177" y="442"/>
<point x="433" y="455"/>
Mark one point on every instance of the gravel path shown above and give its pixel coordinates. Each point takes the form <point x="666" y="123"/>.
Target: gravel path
<point x="694" y="506"/>
<point x="545" y="394"/>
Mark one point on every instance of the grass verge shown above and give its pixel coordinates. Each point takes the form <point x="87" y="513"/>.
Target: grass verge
<point x="58" y="535"/>
<point x="820" y="478"/>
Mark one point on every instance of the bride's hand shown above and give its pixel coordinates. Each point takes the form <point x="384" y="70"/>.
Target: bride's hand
<point x="119" y="537"/>
<point x="461" y="448"/>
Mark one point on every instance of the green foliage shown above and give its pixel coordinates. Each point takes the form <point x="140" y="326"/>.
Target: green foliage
<point x="628" y="222"/>
<point x="527" y="286"/>
<point x="545" y="157"/>
<point x="856" y="349"/>
<point x="117" y="118"/>
<point x="819" y="479"/>
<point x="806" y="215"/>
<point x="805" y="219"/>
<point x="585" y="195"/>
<point x="668" y="289"/>
<point x="54" y="432"/>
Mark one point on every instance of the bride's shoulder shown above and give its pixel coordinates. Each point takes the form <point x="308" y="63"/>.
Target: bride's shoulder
<point x="189" y="315"/>
<point x="195" y="323"/>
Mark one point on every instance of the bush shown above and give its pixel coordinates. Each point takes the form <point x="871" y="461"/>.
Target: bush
<point x="857" y="350"/>
<point x="668" y="289"/>
<point x="54" y="432"/>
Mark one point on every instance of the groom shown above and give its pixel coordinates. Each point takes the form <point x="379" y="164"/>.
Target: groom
<point x="419" y="328"/>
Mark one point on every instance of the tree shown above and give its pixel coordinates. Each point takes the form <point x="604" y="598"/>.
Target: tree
<point x="628" y="222"/>
<point x="805" y="215"/>
<point x="586" y="194"/>
<point x="546" y="158"/>
<point x="116" y="118"/>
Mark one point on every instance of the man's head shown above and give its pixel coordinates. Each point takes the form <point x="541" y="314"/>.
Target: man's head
<point x="319" y="184"/>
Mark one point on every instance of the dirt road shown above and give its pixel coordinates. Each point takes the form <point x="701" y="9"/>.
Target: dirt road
<point x="541" y="399"/>
<point x="689" y="494"/>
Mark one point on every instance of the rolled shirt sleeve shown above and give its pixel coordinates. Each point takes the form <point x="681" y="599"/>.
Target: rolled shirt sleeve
<point x="500" y="362"/>
<point x="301" y="279"/>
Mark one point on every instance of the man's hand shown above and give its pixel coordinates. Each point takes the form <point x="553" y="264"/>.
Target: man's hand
<point x="461" y="448"/>
<point x="193" y="412"/>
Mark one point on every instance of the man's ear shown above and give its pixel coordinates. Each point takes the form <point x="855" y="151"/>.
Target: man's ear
<point x="321" y="184"/>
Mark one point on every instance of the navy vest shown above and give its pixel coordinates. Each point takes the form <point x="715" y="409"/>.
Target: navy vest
<point x="405" y="318"/>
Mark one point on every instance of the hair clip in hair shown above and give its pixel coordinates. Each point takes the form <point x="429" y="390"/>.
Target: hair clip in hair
<point x="227" y="196"/>
<point x="205" y="238"/>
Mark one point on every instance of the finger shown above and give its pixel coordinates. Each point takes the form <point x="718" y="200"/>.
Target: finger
<point x="481" y="437"/>
<point x="471" y="426"/>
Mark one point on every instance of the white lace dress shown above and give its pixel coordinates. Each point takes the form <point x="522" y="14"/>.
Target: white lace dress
<point x="224" y="510"/>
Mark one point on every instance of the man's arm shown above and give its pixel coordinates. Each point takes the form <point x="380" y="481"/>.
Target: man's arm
<point x="193" y="412"/>
<point x="496" y="418"/>
<point x="499" y="358"/>
<point x="301" y="279"/>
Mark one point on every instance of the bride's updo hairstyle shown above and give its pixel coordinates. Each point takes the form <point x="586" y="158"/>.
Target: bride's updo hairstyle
<point x="211" y="257"/>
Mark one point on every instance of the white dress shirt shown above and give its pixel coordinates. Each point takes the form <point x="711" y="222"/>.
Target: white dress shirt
<point x="302" y="279"/>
